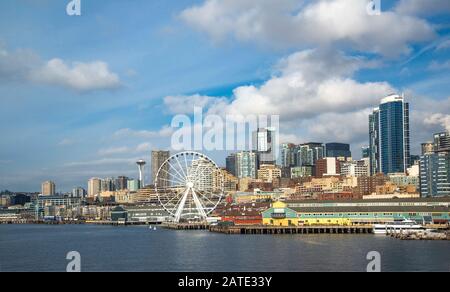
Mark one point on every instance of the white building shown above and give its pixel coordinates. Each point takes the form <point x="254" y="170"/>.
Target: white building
<point x="356" y="168"/>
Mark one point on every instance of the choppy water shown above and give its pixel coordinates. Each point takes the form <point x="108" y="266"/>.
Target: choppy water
<point x="105" y="248"/>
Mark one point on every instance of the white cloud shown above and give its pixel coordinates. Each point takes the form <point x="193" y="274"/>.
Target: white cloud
<point x="444" y="45"/>
<point x="439" y="119"/>
<point x="438" y="66"/>
<point x="423" y="7"/>
<point x="309" y="83"/>
<point x="142" y="148"/>
<point x="315" y="95"/>
<point x="165" y="131"/>
<point x="25" y="66"/>
<point x="113" y="151"/>
<point x="299" y="24"/>
<point x="183" y="104"/>
<point x="77" y="76"/>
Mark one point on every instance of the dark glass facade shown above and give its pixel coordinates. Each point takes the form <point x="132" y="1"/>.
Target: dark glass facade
<point x="338" y="150"/>
<point x="390" y="137"/>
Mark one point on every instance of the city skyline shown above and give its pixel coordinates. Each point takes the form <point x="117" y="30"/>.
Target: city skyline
<point x="60" y="128"/>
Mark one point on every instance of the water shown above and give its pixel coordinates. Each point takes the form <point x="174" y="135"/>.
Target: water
<point x="106" y="248"/>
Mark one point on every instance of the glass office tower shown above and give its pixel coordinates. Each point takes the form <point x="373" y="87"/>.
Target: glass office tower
<point x="390" y="136"/>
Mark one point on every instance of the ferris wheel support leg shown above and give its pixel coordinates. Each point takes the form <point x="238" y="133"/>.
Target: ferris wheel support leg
<point x="181" y="206"/>
<point x="199" y="205"/>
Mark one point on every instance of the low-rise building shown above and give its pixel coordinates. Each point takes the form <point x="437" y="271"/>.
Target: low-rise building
<point x="280" y="215"/>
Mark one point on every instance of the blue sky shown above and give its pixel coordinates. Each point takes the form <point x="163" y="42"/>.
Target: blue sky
<point x="84" y="96"/>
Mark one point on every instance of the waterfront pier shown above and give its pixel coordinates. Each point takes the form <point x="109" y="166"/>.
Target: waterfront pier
<point x="186" y="226"/>
<point x="278" y="230"/>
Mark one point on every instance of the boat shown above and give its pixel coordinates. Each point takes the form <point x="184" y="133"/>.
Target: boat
<point x="398" y="227"/>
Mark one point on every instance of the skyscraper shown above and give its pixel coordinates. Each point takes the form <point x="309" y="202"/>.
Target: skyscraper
<point x="231" y="164"/>
<point x="78" y="192"/>
<point x="338" y="150"/>
<point x="374" y="140"/>
<point x="121" y="183"/>
<point x="108" y="185"/>
<point x="435" y="174"/>
<point x="265" y="145"/>
<point x="94" y="187"/>
<point x="246" y="164"/>
<point x="442" y="141"/>
<point x="48" y="188"/>
<point x="365" y="152"/>
<point x="309" y="153"/>
<point x="427" y="148"/>
<point x="158" y="159"/>
<point x="288" y="155"/>
<point x="389" y="136"/>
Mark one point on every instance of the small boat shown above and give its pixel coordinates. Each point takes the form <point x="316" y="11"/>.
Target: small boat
<point x="397" y="227"/>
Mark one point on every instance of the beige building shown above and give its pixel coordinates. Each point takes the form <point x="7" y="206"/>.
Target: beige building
<point x="94" y="187"/>
<point x="269" y="173"/>
<point x="146" y="195"/>
<point x="327" y="185"/>
<point x="48" y="188"/>
<point x="158" y="158"/>
<point x="230" y="182"/>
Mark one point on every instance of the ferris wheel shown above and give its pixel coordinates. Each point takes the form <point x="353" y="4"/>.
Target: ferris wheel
<point x="189" y="186"/>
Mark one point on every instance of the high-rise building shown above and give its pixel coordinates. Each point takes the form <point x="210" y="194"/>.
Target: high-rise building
<point x="265" y="145"/>
<point x="288" y="155"/>
<point x="246" y="164"/>
<point x="374" y="140"/>
<point x="158" y="159"/>
<point x="108" y="185"/>
<point x="78" y="192"/>
<point x="435" y="174"/>
<point x="48" y="188"/>
<point x="94" y="187"/>
<point x="442" y="141"/>
<point x="390" y="136"/>
<point x="338" y="150"/>
<point x="203" y="172"/>
<point x="231" y="164"/>
<point x="133" y="185"/>
<point x="121" y="183"/>
<point x="427" y="148"/>
<point x="309" y="153"/>
<point x="365" y="152"/>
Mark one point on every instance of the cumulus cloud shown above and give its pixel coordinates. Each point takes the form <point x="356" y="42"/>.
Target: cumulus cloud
<point x="423" y="7"/>
<point x="291" y="23"/>
<point x="139" y="149"/>
<point x="183" y="104"/>
<point x="314" y="93"/>
<point x="439" y="119"/>
<point x="26" y="66"/>
<point x="77" y="76"/>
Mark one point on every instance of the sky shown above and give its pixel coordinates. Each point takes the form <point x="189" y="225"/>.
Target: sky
<point x="86" y="96"/>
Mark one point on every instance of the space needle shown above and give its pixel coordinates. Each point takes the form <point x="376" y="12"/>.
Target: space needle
<point x="141" y="164"/>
